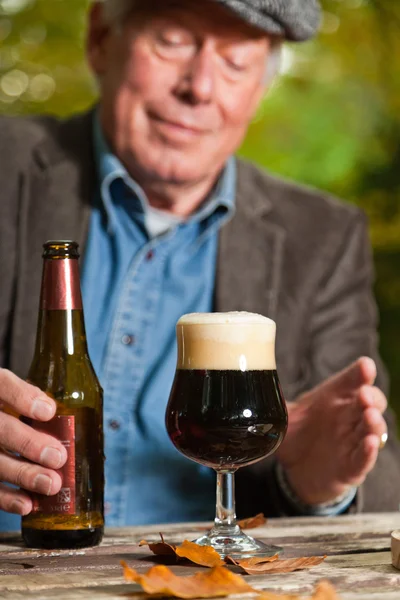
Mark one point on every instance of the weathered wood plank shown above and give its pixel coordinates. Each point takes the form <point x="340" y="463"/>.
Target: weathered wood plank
<point x="358" y="573"/>
<point x="356" y="564"/>
<point x="380" y="524"/>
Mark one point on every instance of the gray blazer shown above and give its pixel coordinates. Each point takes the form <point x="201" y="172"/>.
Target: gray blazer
<point x="291" y="253"/>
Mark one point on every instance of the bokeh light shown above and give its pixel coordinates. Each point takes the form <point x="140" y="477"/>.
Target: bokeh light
<point x="331" y="120"/>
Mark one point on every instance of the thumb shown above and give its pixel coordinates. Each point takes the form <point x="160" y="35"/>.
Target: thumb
<point x="361" y="372"/>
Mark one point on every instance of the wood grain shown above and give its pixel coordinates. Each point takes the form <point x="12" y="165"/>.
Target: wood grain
<point x="358" y="563"/>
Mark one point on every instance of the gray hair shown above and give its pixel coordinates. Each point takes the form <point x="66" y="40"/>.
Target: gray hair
<point x="116" y="11"/>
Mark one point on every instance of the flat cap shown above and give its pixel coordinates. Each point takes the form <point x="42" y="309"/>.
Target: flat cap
<point x="295" y="20"/>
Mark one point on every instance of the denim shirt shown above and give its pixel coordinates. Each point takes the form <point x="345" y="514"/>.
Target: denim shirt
<point x="135" y="287"/>
<point x="142" y="270"/>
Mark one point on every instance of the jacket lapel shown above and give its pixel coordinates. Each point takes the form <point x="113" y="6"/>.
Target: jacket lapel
<point x="56" y="196"/>
<point x="251" y="249"/>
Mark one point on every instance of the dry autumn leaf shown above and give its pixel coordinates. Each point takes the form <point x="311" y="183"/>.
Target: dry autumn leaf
<point x="200" y="555"/>
<point x="205" y="556"/>
<point x="251" y="562"/>
<point x="160" y="548"/>
<point x="277" y="566"/>
<point x="272" y="596"/>
<point x="218" y="581"/>
<point x="325" y="591"/>
<point x="249" y="523"/>
<point x="252" y="522"/>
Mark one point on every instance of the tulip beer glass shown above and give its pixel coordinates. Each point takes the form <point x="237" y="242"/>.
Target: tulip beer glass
<point x="226" y="409"/>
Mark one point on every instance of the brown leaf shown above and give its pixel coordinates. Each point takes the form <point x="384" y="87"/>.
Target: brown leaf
<point x="160" y="548"/>
<point x="325" y="591"/>
<point x="200" y="555"/>
<point x="251" y="562"/>
<point x="218" y="581"/>
<point x="280" y="566"/>
<point x="252" y="522"/>
<point x="205" y="556"/>
<point x="272" y="596"/>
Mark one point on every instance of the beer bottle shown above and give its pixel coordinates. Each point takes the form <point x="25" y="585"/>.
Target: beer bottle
<point x="61" y="367"/>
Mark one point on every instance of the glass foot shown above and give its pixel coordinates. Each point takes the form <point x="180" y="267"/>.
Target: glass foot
<point x="236" y="544"/>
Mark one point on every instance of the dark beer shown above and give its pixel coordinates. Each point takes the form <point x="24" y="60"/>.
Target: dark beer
<point x="226" y="418"/>
<point x="226" y="409"/>
<point x="61" y="367"/>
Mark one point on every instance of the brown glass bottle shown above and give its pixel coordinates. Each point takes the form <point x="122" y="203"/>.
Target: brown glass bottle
<point x="61" y="367"/>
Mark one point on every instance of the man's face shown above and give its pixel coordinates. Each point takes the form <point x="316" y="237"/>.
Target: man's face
<point x="179" y="86"/>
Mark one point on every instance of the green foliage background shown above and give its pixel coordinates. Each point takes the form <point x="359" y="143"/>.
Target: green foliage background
<point x="331" y="120"/>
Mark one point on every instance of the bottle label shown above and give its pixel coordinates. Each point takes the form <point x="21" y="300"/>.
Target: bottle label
<point x="61" y="427"/>
<point x="60" y="285"/>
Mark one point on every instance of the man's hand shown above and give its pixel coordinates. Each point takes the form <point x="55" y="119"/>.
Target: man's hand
<point x="334" y="434"/>
<point x="43" y="451"/>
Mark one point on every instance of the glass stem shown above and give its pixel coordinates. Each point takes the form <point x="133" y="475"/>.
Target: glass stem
<point x="225" y="518"/>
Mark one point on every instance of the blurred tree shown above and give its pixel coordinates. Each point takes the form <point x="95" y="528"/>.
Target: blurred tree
<point x="332" y="120"/>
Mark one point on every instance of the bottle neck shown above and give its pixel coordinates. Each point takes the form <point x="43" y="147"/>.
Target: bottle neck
<point x="61" y="327"/>
<point x="60" y="285"/>
<point x="61" y="333"/>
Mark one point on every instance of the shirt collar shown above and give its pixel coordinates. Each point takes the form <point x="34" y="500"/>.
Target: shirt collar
<point x="220" y="205"/>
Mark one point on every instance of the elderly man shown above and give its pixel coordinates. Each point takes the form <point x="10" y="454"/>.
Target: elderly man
<point x="170" y="222"/>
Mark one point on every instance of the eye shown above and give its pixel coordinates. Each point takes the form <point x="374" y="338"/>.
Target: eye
<point x="239" y="68"/>
<point x="172" y="40"/>
<point x="174" y="43"/>
<point x="234" y="68"/>
<point x="175" y="37"/>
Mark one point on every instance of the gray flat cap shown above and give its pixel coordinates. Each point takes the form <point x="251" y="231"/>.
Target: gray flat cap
<point x="296" y="20"/>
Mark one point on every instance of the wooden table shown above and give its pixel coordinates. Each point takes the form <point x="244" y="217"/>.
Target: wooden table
<point x="358" y="563"/>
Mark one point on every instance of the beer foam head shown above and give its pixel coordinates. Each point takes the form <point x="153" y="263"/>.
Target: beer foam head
<point x="233" y="341"/>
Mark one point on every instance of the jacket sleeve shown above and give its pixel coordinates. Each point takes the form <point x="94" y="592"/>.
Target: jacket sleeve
<point x="344" y="320"/>
<point x="342" y="327"/>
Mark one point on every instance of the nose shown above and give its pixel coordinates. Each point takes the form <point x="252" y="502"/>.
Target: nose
<point x="197" y="84"/>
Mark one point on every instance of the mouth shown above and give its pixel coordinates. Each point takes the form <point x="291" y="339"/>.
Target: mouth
<point x="176" y="128"/>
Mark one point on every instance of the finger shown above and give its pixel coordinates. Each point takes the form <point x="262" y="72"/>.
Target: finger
<point x="359" y="373"/>
<point x="38" y="447"/>
<point x="374" y="423"/>
<point x="371" y="396"/>
<point x="25" y="399"/>
<point x="371" y="423"/>
<point x="14" y="501"/>
<point x="28" y="476"/>
<point x="363" y="458"/>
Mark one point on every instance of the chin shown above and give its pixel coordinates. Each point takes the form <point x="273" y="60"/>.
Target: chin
<point x="174" y="172"/>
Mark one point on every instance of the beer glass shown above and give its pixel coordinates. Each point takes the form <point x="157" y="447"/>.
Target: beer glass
<point x="226" y="409"/>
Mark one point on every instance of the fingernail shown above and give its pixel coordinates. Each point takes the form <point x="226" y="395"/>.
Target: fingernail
<point x="18" y="507"/>
<point x="51" y="457"/>
<point x="42" y="410"/>
<point x="42" y="484"/>
<point x="369" y="364"/>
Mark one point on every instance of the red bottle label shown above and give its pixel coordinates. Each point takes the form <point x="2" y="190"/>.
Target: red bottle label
<point x="60" y="285"/>
<point x="63" y="428"/>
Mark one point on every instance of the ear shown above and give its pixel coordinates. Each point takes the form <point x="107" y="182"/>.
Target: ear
<point x="263" y="88"/>
<point x="96" y="42"/>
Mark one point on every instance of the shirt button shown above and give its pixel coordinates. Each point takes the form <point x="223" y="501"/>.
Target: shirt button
<point x="114" y="424"/>
<point x="150" y="255"/>
<point x="128" y="340"/>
